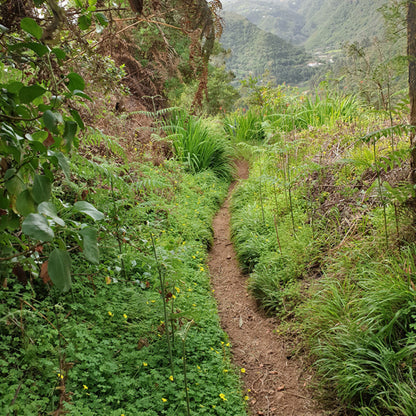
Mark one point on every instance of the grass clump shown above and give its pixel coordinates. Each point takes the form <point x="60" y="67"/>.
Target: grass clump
<point x="199" y="145"/>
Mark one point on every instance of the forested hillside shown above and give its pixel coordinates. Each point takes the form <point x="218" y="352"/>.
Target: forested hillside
<point x="255" y="51"/>
<point x="273" y="17"/>
<point x="316" y="24"/>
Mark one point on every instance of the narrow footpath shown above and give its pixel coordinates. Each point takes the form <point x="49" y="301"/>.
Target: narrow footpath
<point x="275" y="382"/>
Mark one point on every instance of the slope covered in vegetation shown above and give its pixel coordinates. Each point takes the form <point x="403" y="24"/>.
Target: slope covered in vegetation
<point x="254" y="51"/>
<point x="106" y="205"/>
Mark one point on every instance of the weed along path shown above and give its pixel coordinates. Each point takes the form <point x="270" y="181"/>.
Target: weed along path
<point x="275" y="384"/>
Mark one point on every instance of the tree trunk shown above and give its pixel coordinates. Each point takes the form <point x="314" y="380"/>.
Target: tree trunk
<point x="411" y="52"/>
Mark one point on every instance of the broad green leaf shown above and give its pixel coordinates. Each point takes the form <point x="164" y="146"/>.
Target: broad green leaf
<point x="77" y="118"/>
<point x="51" y="121"/>
<point x="4" y="201"/>
<point x="63" y="163"/>
<point x="76" y="82"/>
<point x="14" y="87"/>
<point x="48" y="209"/>
<point x="59" y="269"/>
<point x="36" y="47"/>
<point x="84" y="22"/>
<point x="37" y="227"/>
<point x="30" y="26"/>
<point x="39" y="2"/>
<point x="69" y="133"/>
<point x="90" y="246"/>
<point x="25" y="203"/>
<point x="40" y="135"/>
<point x="42" y="188"/>
<point x="102" y="19"/>
<point x="23" y="111"/>
<point x="28" y="94"/>
<point x="15" y="185"/>
<point x="88" y="209"/>
<point x="59" y="53"/>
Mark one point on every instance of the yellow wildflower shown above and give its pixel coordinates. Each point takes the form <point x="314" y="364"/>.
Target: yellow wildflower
<point x="164" y="400"/>
<point x="222" y="395"/>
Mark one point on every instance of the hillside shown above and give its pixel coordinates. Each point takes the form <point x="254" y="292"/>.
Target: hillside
<point x="272" y="17"/>
<point x="256" y="51"/>
<point x="317" y="24"/>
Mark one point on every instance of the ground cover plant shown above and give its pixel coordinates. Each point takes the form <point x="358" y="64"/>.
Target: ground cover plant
<point x="323" y="229"/>
<point x="102" y="347"/>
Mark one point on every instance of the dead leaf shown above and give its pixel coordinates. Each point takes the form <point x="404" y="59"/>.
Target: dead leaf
<point x="44" y="275"/>
<point x="281" y="388"/>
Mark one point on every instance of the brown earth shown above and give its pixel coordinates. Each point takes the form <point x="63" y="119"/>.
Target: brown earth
<point x="276" y="382"/>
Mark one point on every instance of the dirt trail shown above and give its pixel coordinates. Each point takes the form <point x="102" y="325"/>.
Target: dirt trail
<point x="276" y="383"/>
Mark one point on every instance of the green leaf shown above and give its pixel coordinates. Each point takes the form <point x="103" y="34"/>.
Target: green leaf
<point x="102" y="19"/>
<point x="82" y="94"/>
<point x="36" y="47"/>
<point x="63" y="163"/>
<point x="4" y="28"/>
<point x="15" y="185"/>
<point x="51" y="121"/>
<point x="48" y="209"/>
<point x="59" y="53"/>
<point x="30" y="26"/>
<point x="88" y="209"/>
<point x="90" y="246"/>
<point x="37" y="227"/>
<point x="76" y="82"/>
<point x="59" y="269"/>
<point x="25" y="203"/>
<point x="40" y="135"/>
<point x="84" y="22"/>
<point x="14" y="87"/>
<point x="69" y="133"/>
<point x="78" y="119"/>
<point x="28" y="94"/>
<point x="42" y="188"/>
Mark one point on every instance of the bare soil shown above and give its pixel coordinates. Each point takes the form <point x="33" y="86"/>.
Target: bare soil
<point x="276" y="382"/>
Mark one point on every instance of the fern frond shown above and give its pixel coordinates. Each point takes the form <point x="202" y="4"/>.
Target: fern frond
<point x="399" y="130"/>
<point x="97" y="138"/>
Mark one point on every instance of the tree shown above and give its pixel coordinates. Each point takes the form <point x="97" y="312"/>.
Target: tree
<point x="411" y="53"/>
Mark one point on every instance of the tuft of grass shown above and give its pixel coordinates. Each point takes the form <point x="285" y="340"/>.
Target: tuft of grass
<point x="198" y="146"/>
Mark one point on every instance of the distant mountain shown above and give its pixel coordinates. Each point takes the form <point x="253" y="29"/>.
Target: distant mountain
<point x="255" y="51"/>
<point x="271" y="16"/>
<point x="316" y="24"/>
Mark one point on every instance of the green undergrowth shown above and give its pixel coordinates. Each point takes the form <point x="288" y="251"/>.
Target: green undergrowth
<point x="324" y="229"/>
<point x="135" y="328"/>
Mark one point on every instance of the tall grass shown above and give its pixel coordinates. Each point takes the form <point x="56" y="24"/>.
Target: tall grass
<point x="314" y="111"/>
<point x="364" y="335"/>
<point x="245" y="126"/>
<point x="198" y="146"/>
